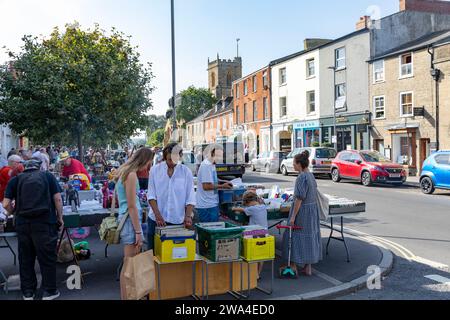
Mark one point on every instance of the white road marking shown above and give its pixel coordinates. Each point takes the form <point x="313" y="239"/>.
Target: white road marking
<point x="439" y="279"/>
<point x="433" y="264"/>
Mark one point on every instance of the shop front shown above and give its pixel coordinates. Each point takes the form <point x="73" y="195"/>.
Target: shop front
<point x="352" y="131"/>
<point x="307" y="133"/>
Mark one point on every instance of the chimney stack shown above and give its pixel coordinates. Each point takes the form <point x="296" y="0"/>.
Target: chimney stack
<point x="363" y="23"/>
<point x="432" y="6"/>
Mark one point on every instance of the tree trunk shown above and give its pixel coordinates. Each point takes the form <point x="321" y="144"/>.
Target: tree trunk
<point x="80" y="146"/>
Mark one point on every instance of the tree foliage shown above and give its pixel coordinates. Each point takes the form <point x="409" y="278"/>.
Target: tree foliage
<point x="154" y="123"/>
<point x="157" y="138"/>
<point x="194" y="102"/>
<point x="76" y="86"/>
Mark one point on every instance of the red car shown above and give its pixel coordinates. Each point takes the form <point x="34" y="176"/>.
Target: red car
<point x="368" y="167"/>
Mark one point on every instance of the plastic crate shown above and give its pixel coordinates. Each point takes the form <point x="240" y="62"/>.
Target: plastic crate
<point x="231" y="196"/>
<point x="258" y="249"/>
<point x="175" y="249"/>
<point x="237" y="217"/>
<point x="219" y="242"/>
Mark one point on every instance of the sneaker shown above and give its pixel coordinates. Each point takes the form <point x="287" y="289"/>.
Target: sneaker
<point x="28" y="295"/>
<point x="50" y="295"/>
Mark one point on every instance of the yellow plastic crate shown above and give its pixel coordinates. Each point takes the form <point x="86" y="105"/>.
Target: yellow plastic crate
<point x="179" y="249"/>
<point x="259" y="249"/>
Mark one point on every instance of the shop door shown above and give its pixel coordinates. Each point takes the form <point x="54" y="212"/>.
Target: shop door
<point x="424" y="152"/>
<point x="344" y="138"/>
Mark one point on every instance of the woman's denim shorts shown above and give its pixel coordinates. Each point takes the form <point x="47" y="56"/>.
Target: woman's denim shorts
<point x="128" y="235"/>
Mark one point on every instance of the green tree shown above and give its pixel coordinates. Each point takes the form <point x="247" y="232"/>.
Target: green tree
<point x="194" y="102"/>
<point x="76" y="87"/>
<point x="154" y="123"/>
<point x="157" y="138"/>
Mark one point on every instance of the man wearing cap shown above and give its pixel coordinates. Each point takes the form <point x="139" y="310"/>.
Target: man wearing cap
<point x="34" y="197"/>
<point x="72" y="166"/>
<point x="13" y="168"/>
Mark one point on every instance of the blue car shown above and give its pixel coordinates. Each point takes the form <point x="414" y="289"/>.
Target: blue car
<point x="436" y="172"/>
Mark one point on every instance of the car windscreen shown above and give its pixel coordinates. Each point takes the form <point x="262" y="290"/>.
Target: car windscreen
<point x="325" y="153"/>
<point x="374" y="157"/>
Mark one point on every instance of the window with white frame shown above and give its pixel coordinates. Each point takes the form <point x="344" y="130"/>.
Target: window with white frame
<point x="341" y="96"/>
<point x="340" y="58"/>
<point x="225" y="123"/>
<point x="379" y="107"/>
<point x="406" y="65"/>
<point x="255" y="84"/>
<point x="310" y="68"/>
<point x="245" y="87"/>
<point x="237" y="90"/>
<point x="283" y="76"/>
<point x="238" y="114"/>
<point x="311" y="101"/>
<point x="406" y="104"/>
<point x="265" y="82"/>
<point x="231" y="121"/>
<point x="378" y="71"/>
<point x="283" y="107"/>
<point x="255" y="111"/>
<point x="266" y="109"/>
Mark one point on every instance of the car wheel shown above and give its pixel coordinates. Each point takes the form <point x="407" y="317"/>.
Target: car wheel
<point x="267" y="168"/>
<point x="366" y="179"/>
<point x="253" y="168"/>
<point x="284" y="170"/>
<point x="427" y="185"/>
<point x="335" y="175"/>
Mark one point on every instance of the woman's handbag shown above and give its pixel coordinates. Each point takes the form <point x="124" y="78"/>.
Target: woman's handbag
<point x="110" y="228"/>
<point x="138" y="276"/>
<point x="324" y="206"/>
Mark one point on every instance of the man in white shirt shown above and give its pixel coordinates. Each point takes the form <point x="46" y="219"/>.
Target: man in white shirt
<point x="208" y="184"/>
<point x="170" y="193"/>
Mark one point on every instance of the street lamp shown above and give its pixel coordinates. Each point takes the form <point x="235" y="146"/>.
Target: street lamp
<point x="173" y="67"/>
<point x="333" y="68"/>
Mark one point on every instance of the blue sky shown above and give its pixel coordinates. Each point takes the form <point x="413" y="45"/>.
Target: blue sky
<point x="268" y="29"/>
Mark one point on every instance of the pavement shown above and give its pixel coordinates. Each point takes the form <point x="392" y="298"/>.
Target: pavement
<point x="332" y="277"/>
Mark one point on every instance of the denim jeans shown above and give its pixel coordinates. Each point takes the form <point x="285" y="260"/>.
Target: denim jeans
<point x="208" y="215"/>
<point x="37" y="240"/>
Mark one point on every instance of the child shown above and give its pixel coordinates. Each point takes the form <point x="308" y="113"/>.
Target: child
<point x="257" y="213"/>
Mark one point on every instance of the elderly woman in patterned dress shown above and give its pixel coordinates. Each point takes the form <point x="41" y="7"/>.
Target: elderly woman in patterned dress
<point x="306" y="242"/>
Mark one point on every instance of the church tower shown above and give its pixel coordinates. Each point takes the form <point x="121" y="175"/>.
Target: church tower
<point x="221" y="74"/>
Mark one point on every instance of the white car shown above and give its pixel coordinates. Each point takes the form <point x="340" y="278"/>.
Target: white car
<point x="320" y="161"/>
<point x="269" y="162"/>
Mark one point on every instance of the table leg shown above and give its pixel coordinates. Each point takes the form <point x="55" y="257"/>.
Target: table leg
<point x="272" y="277"/>
<point x="248" y="281"/>
<point x="207" y="280"/>
<point x="331" y="235"/>
<point x="106" y="250"/>
<point x="159" y="281"/>
<point x="343" y="239"/>
<point x="11" y="249"/>
<point x="203" y="280"/>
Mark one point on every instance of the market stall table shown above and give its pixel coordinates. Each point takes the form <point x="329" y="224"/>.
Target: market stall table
<point x="249" y="263"/>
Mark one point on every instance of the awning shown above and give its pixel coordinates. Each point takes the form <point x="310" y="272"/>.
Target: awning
<point x="403" y="126"/>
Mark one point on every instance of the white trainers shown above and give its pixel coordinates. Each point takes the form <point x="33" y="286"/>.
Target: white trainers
<point x="51" y="295"/>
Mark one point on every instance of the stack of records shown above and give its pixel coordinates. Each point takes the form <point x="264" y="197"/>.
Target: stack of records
<point x="251" y="232"/>
<point x="174" y="232"/>
<point x="345" y="206"/>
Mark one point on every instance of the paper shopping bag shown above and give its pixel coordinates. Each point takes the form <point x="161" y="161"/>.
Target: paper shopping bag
<point x="138" y="273"/>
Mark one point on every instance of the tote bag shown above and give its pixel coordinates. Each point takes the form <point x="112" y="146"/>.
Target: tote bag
<point x="138" y="274"/>
<point x="324" y="205"/>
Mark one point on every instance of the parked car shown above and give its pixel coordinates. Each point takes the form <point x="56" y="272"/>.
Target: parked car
<point x="268" y="161"/>
<point x="436" y="172"/>
<point x="189" y="161"/>
<point x="320" y="160"/>
<point x="368" y="167"/>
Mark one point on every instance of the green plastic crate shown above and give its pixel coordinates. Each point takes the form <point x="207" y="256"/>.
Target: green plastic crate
<point x="237" y="217"/>
<point x="220" y="244"/>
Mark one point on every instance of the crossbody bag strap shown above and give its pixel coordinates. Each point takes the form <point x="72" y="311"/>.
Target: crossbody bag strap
<point x="113" y="202"/>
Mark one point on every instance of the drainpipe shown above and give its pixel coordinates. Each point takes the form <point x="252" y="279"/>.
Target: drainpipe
<point x="436" y="74"/>
<point x="271" y="107"/>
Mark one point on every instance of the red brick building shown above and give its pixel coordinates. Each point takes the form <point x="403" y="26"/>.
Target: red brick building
<point x="252" y="110"/>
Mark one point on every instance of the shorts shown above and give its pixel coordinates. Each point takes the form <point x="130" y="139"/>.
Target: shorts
<point x="128" y="235"/>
